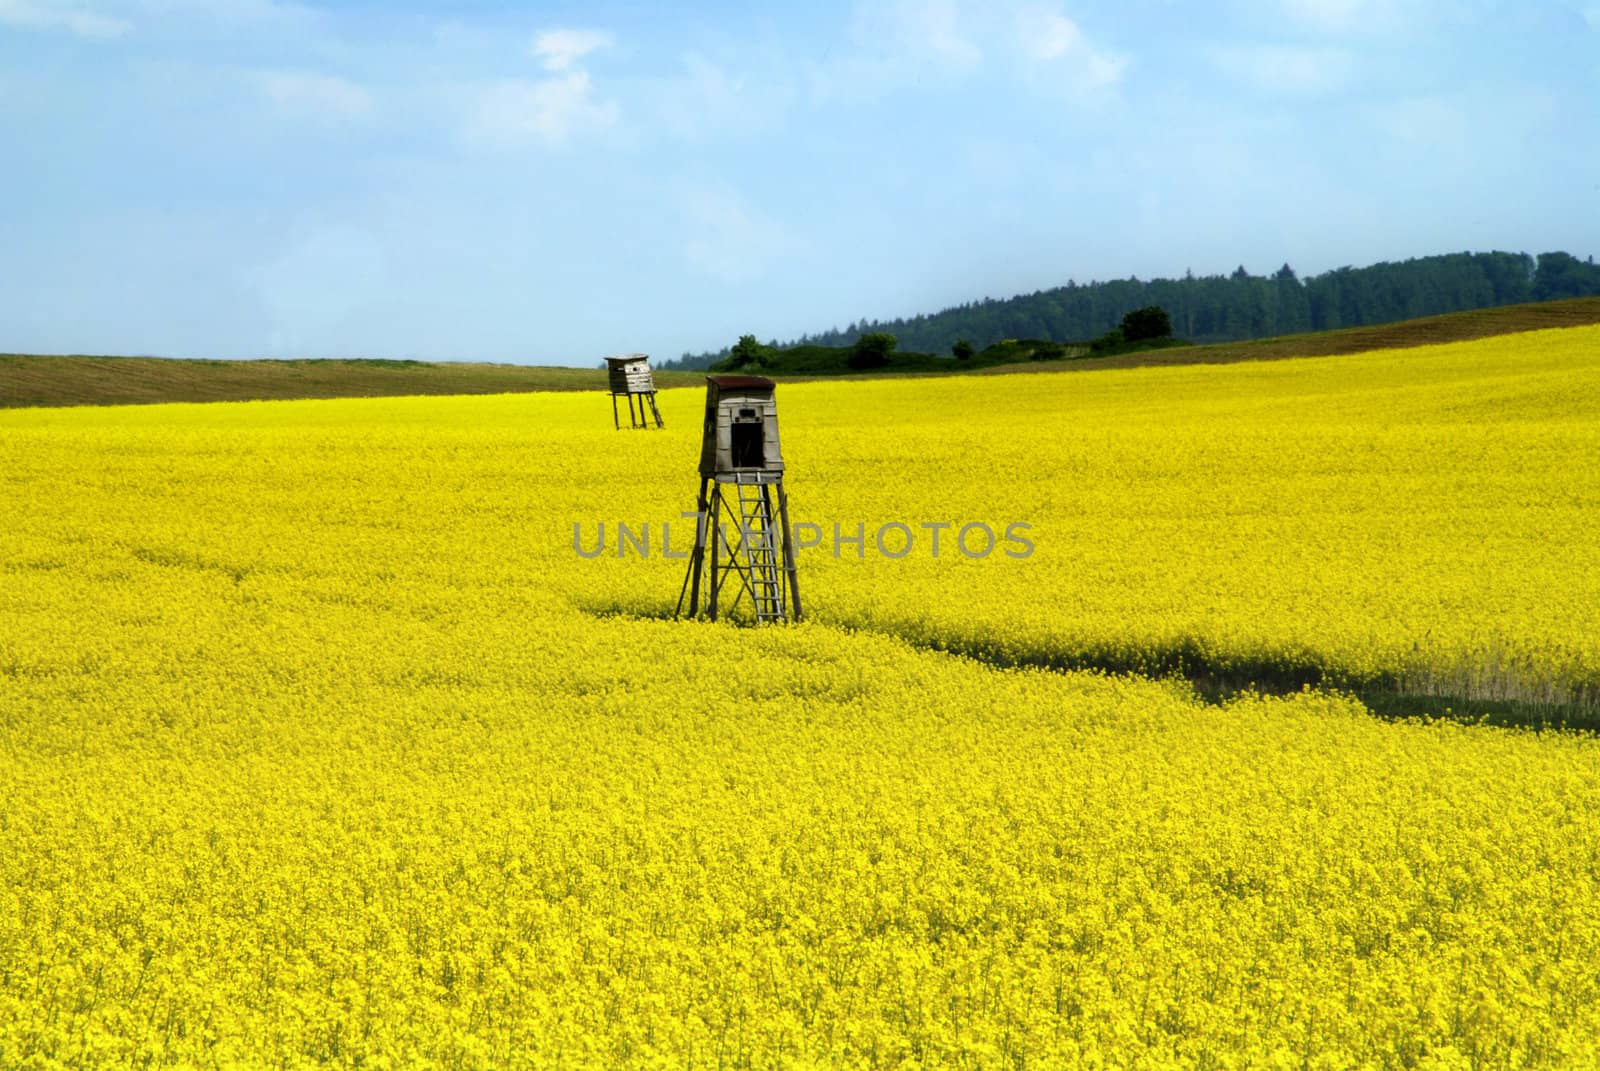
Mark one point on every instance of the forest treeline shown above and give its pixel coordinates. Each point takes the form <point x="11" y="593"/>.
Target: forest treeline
<point x="1229" y="308"/>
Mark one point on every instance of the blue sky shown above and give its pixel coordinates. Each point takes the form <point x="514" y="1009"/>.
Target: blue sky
<point x="551" y="183"/>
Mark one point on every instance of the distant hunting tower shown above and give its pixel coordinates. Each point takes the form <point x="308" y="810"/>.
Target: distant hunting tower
<point x="630" y="376"/>
<point x="741" y="481"/>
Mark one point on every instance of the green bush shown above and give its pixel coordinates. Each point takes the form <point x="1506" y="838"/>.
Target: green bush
<point x="873" y="350"/>
<point x="1111" y="340"/>
<point x="1151" y="321"/>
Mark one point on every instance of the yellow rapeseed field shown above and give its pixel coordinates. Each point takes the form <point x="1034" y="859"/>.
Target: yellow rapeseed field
<point x="321" y="745"/>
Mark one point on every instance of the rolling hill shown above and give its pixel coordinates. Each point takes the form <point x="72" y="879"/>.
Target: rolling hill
<point x="32" y="381"/>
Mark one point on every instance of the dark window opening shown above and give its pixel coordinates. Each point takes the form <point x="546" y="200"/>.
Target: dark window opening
<point x="749" y="446"/>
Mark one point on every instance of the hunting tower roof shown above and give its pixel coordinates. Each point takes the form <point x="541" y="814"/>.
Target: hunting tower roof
<point x="741" y="382"/>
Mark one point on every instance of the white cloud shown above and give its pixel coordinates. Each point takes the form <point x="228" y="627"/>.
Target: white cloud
<point x="900" y="44"/>
<point x="561" y="50"/>
<point x="302" y="94"/>
<point x="1046" y="35"/>
<point x="1287" y="69"/>
<point x="44" y="15"/>
<point x="548" y="112"/>
<point x="730" y="239"/>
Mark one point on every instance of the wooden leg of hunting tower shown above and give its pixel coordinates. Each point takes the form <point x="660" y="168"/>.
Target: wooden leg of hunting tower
<point x="690" y="573"/>
<point x="696" y="559"/>
<point x="788" y="551"/>
<point x="716" y="539"/>
<point x="616" y="419"/>
<point x="656" y="411"/>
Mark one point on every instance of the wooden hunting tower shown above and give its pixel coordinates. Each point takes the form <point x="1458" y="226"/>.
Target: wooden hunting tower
<point x="630" y="377"/>
<point x="741" y="480"/>
<point x="741" y="429"/>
